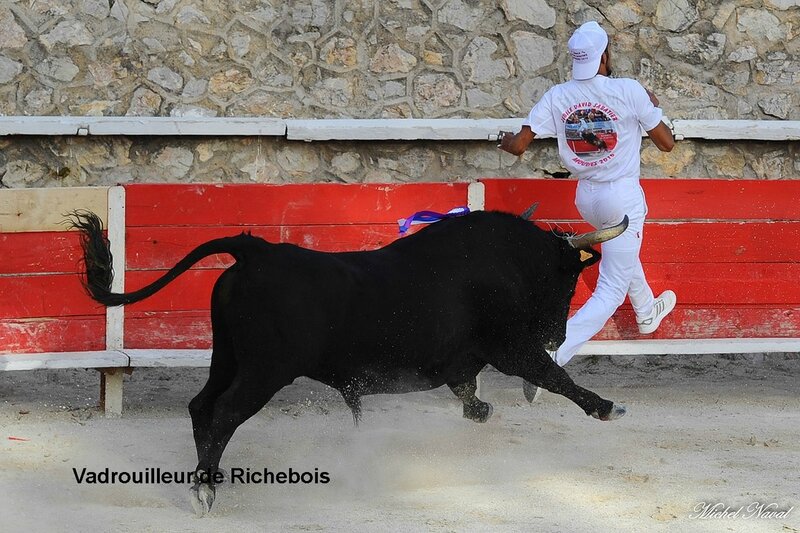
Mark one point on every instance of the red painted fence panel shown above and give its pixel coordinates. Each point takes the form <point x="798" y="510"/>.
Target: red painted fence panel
<point x="285" y="205"/>
<point x="165" y="222"/>
<point x="726" y="247"/>
<point x="667" y="199"/>
<point x="53" y="334"/>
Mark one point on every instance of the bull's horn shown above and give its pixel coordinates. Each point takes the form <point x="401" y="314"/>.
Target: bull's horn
<point x="529" y="212"/>
<point x="596" y="237"/>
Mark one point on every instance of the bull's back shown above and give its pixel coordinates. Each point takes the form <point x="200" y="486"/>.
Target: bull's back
<point x="414" y="306"/>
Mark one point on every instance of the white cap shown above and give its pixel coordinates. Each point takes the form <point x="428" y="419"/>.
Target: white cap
<point x="586" y="46"/>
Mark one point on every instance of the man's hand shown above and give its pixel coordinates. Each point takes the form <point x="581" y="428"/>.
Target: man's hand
<point x="515" y="143"/>
<point x="503" y="136"/>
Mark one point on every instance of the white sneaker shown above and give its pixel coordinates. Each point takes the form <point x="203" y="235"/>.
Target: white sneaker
<point x="661" y="308"/>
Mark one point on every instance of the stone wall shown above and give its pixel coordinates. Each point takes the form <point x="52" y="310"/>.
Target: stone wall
<point x="372" y="59"/>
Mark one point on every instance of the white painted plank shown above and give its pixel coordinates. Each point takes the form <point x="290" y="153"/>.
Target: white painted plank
<point x="359" y="129"/>
<point x="202" y="358"/>
<point x="172" y="126"/>
<point x="756" y="130"/>
<point x="40" y="125"/>
<point x="55" y="360"/>
<point x="169" y="358"/>
<point x="444" y="129"/>
<point x="690" y="346"/>
<point x="476" y="201"/>
<point x="476" y="196"/>
<point x="188" y="126"/>
<point x="115" y="316"/>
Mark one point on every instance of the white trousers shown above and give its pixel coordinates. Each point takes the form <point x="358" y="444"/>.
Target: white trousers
<point x="603" y="205"/>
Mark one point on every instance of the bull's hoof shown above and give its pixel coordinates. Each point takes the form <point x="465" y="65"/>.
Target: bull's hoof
<point x="201" y="496"/>
<point x="531" y="391"/>
<point x="478" y="412"/>
<point x="617" y="411"/>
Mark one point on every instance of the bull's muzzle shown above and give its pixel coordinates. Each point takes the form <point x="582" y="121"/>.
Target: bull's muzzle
<point x="586" y="240"/>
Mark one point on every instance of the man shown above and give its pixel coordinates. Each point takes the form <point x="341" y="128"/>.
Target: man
<point x="608" y="177"/>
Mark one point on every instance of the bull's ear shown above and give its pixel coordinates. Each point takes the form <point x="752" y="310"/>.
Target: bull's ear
<point x="588" y="257"/>
<point x="576" y="260"/>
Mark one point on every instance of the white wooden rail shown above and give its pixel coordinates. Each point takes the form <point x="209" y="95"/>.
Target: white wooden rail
<point x="82" y="126"/>
<point x="446" y="129"/>
<point x="201" y="358"/>
<point x="751" y="130"/>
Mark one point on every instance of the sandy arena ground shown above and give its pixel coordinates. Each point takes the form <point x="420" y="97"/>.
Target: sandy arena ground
<point x="707" y="429"/>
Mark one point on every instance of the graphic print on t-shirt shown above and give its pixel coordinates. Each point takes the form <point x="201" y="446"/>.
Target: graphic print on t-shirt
<point x="590" y="132"/>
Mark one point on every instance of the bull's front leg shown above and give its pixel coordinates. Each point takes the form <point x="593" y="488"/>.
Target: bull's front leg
<point x="540" y="369"/>
<point x="474" y="409"/>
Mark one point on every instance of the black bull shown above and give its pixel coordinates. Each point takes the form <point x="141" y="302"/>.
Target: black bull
<point x="427" y="310"/>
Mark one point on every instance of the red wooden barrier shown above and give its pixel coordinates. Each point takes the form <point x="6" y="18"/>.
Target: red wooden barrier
<point x="726" y="247"/>
<point x="667" y="199"/>
<point x="164" y="222"/>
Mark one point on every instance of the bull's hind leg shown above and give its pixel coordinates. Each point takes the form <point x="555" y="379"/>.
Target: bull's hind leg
<point x="542" y="371"/>
<point x="220" y="377"/>
<point x="474" y="409"/>
<point x="250" y="390"/>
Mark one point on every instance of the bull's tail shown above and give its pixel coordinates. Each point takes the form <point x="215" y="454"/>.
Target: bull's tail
<point x="98" y="261"/>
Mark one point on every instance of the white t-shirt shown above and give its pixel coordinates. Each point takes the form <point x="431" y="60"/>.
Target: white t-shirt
<point x="598" y="123"/>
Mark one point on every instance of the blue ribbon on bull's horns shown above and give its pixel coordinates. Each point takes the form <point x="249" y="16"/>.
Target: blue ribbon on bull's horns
<point x="426" y="217"/>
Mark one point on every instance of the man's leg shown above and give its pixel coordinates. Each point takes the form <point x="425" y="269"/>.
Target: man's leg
<point x="640" y="293"/>
<point x="603" y="205"/>
<point x="617" y="269"/>
<point x="650" y="311"/>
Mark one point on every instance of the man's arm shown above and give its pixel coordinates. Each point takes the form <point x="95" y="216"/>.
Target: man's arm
<point x="518" y="143"/>
<point x="661" y="136"/>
